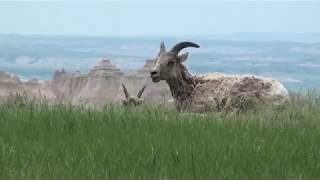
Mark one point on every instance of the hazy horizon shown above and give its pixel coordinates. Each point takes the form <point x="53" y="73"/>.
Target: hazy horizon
<point x="276" y="39"/>
<point x="170" y="36"/>
<point x="295" y="64"/>
<point x="137" y="18"/>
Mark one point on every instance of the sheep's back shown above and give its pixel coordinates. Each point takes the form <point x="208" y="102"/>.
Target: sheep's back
<point x="218" y="91"/>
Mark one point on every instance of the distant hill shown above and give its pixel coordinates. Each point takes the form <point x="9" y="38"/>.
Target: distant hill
<point x="292" y="58"/>
<point x="268" y="36"/>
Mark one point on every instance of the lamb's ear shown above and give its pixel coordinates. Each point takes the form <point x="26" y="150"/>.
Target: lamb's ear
<point x="183" y="57"/>
<point x="125" y="91"/>
<point x="141" y="91"/>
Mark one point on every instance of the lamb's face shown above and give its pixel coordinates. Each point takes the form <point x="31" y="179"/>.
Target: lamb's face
<point x="130" y="100"/>
<point x="167" y="65"/>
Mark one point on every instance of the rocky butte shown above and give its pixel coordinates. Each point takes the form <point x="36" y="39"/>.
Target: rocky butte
<point x="100" y="86"/>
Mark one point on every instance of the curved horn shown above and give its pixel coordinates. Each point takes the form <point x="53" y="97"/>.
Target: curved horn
<point x="125" y="91"/>
<point x="141" y="91"/>
<point x="178" y="47"/>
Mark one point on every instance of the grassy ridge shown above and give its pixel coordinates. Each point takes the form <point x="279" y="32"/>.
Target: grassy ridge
<point x="38" y="141"/>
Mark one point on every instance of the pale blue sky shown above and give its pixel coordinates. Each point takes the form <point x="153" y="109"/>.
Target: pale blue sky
<point x="157" y="18"/>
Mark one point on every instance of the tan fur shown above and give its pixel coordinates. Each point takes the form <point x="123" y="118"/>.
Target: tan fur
<point x="214" y="91"/>
<point x="225" y="92"/>
<point x="128" y="100"/>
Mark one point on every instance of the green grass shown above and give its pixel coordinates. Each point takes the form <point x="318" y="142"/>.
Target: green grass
<point x="38" y="141"/>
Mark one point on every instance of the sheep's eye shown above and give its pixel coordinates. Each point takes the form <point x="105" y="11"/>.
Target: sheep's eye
<point x="170" y="63"/>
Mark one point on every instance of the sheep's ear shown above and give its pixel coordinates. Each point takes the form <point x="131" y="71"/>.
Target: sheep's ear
<point x="183" y="57"/>
<point x="162" y="48"/>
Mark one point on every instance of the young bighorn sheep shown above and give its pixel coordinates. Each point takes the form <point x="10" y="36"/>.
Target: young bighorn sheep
<point x="130" y="100"/>
<point x="213" y="91"/>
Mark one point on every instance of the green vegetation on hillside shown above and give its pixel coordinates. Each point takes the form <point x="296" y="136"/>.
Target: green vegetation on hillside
<point x="39" y="141"/>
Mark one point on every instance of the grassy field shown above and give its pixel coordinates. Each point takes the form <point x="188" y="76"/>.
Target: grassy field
<point x="38" y="141"/>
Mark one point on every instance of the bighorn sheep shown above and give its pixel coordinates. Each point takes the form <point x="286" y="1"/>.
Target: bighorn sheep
<point x="130" y="100"/>
<point x="212" y="91"/>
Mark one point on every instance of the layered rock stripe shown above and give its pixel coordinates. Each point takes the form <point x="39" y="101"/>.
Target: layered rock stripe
<point x="102" y="85"/>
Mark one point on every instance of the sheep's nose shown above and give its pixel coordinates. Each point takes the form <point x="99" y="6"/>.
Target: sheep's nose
<point x="153" y="73"/>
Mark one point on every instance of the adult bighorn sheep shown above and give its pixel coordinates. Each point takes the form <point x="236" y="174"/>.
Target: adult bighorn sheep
<point x="212" y="91"/>
<point x="131" y="100"/>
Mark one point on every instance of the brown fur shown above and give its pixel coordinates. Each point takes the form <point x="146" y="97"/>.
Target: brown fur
<point x="215" y="91"/>
<point x="130" y="100"/>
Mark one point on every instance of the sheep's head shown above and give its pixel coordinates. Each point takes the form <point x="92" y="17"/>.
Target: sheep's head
<point x="168" y="64"/>
<point x="130" y="100"/>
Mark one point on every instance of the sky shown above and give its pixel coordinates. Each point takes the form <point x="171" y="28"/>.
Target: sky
<point x="148" y="18"/>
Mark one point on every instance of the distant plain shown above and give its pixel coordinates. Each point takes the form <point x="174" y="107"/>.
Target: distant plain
<point x="295" y="62"/>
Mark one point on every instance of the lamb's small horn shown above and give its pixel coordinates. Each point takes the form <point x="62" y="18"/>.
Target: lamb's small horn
<point x="179" y="46"/>
<point x="141" y="91"/>
<point x="125" y="91"/>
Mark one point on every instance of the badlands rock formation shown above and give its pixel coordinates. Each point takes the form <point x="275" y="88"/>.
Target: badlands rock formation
<point x="39" y="89"/>
<point x="102" y="85"/>
<point x="9" y="83"/>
